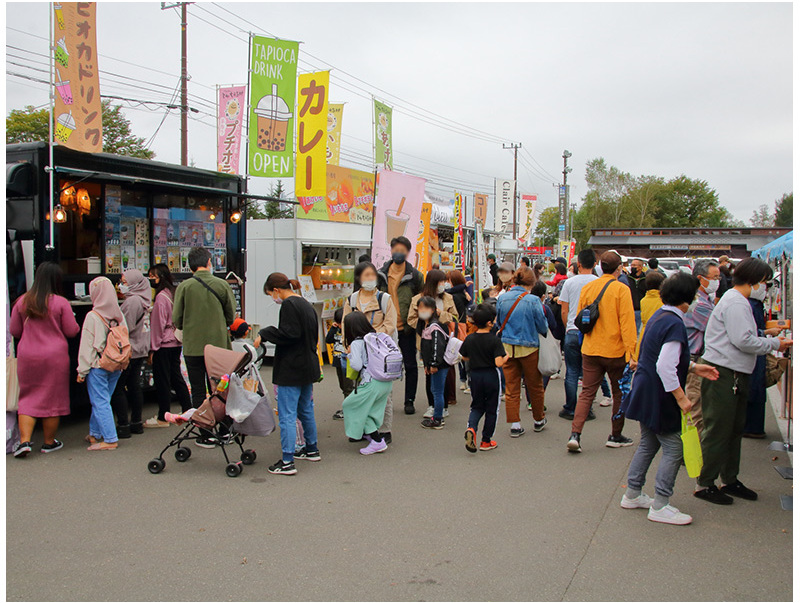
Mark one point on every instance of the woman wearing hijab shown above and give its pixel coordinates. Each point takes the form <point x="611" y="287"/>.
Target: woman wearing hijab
<point x="127" y="396"/>
<point x="100" y="382"/>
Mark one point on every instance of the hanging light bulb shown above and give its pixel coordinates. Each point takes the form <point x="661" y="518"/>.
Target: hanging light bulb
<point x="212" y="216"/>
<point x="236" y="216"/>
<point x="59" y="214"/>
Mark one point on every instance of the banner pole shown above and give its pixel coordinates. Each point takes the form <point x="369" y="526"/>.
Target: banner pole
<point x="50" y="246"/>
<point x="249" y="108"/>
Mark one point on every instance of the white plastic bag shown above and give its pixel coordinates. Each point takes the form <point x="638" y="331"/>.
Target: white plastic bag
<point x="240" y="402"/>
<point x="549" y="355"/>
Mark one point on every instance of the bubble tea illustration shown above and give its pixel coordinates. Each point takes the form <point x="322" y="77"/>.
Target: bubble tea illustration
<point x="65" y="126"/>
<point x="59" y="16"/>
<point x="396" y="222"/>
<point x="61" y="54"/>
<point x="273" y="121"/>
<point x="64" y="89"/>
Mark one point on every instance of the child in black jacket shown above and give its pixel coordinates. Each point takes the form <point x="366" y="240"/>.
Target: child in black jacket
<point x="339" y="360"/>
<point x="433" y="342"/>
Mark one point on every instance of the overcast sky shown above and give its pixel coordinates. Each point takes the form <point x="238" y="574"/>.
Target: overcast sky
<point x="667" y="89"/>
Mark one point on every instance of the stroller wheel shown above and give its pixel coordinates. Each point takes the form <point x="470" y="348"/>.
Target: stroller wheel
<point x="248" y="457"/>
<point x="182" y="454"/>
<point x="233" y="469"/>
<point x="156" y="465"/>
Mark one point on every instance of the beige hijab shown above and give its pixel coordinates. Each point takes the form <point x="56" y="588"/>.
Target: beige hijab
<point x="104" y="299"/>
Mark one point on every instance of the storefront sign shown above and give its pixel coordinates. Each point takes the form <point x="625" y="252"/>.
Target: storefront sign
<point x="348" y="198"/>
<point x="503" y="198"/>
<point x="423" y="263"/>
<point x="398" y="205"/>
<point x="527" y="216"/>
<point x="273" y="77"/>
<point x="481" y="208"/>
<point x="334" y="144"/>
<point x="77" y="114"/>
<point x="312" y="123"/>
<point x="230" y="113"/>
<point x="384" y="158"/>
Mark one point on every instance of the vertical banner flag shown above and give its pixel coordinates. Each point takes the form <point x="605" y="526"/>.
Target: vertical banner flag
<point x="77" y="114"/>
<point x="503" y="195"/>
<point x="384" y="158"/>
<point x="230" y="114"/>
<point x="273" y="79"/>
<point x="563" y="204"/>
<point x="483" y="277"/>
<point x="423" y="263"/>
<point x="458" y="231"/>
<point x="526" y="218"/>
<point x="566" y="249"/>
<point x="334" y="144"/>
<point x="481" y="208"/>
<point x="312" y="123"/>
<point x="398" y="205"/>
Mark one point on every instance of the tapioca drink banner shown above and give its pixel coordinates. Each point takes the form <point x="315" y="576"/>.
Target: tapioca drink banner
<point x="273" y="82"/>
<point x="398" y="206"/>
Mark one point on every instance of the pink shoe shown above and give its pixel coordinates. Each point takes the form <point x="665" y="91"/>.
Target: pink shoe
<point x="374" y="447"/>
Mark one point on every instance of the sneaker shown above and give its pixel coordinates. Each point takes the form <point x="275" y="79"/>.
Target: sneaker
<point x="431" y="423"/>
<point x="338" y="415"/>
<point x="488" y="446"/>
<point x="591" y="416"/>
<point x="565" y="414"/>
<point x="469" y="437"/>
<point x="409" y="408"/>
<point x="669" y="514"/>
<point x="23" y="448"/>
<point x="714" y="495"/>
<point x="428" y="413"/>
<point x="515" y="433"/>
<point x="56" y="445"/>
<point x="137" y="428"/>
<point x="530" y="406"/>
<point x="387" y="437"/>
<point x="464" y="386"/>
<point x="574" y="444"/>
<point x="539" y="425"/>
<point x="468" y="390"/>
<point x="606" y="402"/>
<point x="206" y="442"/>
<point x="739" y="490"/>
<point x="373" y="447"/>
<point x="306" y="455"/>
<point x="153" y="422"/>
<point x="619" y="441"/>
<point x="282" y="468"/>
<point x="445" y="413"/>
<point x="640" y="502"/>
<point x="123" y="432"/>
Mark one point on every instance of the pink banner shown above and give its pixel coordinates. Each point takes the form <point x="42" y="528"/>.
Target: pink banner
<point x="230" y="107"/>
<point x="398" y="206"/>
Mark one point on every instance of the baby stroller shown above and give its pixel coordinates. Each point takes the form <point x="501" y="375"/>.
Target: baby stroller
<point x="229" y="413"/>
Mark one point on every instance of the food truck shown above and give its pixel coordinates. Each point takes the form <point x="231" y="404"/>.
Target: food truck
<point x="111" y="213"/>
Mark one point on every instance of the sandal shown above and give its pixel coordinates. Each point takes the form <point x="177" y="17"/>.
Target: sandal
<point x="103" y="446"/>
<point x="91" y="439"/>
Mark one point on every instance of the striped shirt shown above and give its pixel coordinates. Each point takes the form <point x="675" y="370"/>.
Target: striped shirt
<point x="696" y="320"/>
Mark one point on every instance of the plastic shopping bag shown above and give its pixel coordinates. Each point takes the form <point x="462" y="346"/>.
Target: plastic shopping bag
<point x="240" y="402"/>
<point x="692" y="452"/>
<point x="260" y="422"/>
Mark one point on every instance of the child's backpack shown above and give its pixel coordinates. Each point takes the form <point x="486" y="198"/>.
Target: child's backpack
<point x="384" y="359"/>
<point x="117" y="353"/>
<point x="452" y="353"/>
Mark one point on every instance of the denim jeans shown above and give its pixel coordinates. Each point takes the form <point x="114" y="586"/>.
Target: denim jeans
<point x="574" y="361"/>
<point x="101" y="384"/>
<point x="638" y="315"/>
<point x="296" y="402"/>
<point x="668" y="467"/>
<point x="438" y="380"/>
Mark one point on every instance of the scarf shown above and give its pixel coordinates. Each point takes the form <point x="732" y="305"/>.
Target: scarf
<point x="104" y="299"/>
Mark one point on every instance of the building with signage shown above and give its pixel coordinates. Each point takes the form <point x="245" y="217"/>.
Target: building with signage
<point x="684" y="242"/>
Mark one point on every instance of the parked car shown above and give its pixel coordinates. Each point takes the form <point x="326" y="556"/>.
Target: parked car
<point x="669" y="266"/>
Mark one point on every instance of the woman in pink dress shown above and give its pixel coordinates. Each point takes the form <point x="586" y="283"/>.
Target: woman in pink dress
<point x="42" y="320"/>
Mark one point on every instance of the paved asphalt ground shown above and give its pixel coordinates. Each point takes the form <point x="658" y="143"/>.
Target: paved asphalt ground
<point x="424" y="521"/>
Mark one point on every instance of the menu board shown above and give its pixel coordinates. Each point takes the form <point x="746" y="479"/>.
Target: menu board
<point x="237" y="294"/>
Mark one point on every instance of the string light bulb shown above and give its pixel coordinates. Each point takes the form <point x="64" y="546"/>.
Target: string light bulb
<point x="236" y="216"/>
<point x="59" y="214"/>
<point x="212" y="217"/>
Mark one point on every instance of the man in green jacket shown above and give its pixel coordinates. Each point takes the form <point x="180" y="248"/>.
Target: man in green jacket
<point x="204" y="308"/>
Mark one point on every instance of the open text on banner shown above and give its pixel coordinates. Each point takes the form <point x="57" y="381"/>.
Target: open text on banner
<point x="398" y="205"/>
<point x="231" y="103"/>
<point x="312" y="123"/>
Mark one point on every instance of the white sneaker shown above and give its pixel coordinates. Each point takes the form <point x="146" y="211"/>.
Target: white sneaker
<point x="467" y="390"/>
<point x="606" y="402"/>
<point x="670" y="515"/>
<point x="555" y="376"/>
<point x="463" y="386"/>
<point x="640" y="502"/>
<point x="445" y="413"/>
<point x="428" y="413"/>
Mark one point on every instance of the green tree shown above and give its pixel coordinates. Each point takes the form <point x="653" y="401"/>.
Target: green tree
<point x="272" y="209"/>
<point x="783" y="211"/>
<point x="31" y="125"/>
<point x="546" y="232"/>
<point x="762" y="217"/>
<point x="686" y="202"/>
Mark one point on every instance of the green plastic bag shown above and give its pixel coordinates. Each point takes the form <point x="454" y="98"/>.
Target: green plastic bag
<point x="692" y="451"/>
<point x="352" y="373"/>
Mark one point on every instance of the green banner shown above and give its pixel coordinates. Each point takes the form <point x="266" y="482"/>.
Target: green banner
<point x="384" y="157"/>
<point x="273" y="82"/>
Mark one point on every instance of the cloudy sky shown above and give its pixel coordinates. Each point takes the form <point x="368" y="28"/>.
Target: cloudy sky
<point x="698" y="89"/>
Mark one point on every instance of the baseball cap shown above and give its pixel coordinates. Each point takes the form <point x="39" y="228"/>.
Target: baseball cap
<point x="491" y="256"/>
<point x="506" y="267"/>
<point x="561" y="259"/>
<point x="239" y="328"/>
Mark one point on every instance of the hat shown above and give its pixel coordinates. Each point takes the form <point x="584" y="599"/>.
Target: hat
<point x="491" y="256"/>
<point x="561" y="259"/>
<point x="239" y="328"/>
<point x="506" y="267"/>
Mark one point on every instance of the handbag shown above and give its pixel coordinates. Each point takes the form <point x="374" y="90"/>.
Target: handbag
<point x="775" y="369"/>
<point x="692" y="451"/>
<point x="549" y="355"/>
<point x="587" y="317"/>
<point x="12" y="383"/>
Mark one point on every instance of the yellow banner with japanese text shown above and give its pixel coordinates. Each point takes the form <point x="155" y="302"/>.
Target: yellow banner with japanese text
<point x="312" y="125"/>
<point x="334" y="144"/>
<point x="423" y="239"/>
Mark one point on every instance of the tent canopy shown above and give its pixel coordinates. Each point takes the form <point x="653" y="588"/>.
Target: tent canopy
<point x="782" y="246"/>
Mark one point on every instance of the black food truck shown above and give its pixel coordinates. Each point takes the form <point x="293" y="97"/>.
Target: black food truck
<point x="113" y="213"/>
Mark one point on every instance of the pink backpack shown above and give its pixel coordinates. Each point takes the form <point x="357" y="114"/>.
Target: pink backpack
<point x="117" y="353"/>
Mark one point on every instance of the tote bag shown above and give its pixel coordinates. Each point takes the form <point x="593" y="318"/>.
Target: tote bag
<point x="549" y="355"/>
<point x="692" y="452"/>
<point x="12" y="384"/>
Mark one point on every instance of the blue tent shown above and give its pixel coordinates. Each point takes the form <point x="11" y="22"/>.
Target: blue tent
<point x="781" y="246"/>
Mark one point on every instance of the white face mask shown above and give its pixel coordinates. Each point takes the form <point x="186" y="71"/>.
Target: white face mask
<point x="440" y="289"/>
<point x="124" y="289"/>
<point x="369" y="285"/>
<point x="425" y="315"/>
<point x="712" y="287"/>
<point x="505" y="276"/>
<point x="758" y="294"/>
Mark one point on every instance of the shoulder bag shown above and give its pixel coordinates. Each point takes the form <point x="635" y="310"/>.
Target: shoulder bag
<point x="510" y="312"/>
<point x="587" y="318"/>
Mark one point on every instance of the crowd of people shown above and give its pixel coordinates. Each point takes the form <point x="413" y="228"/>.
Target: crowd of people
<point x="694" y="346"/>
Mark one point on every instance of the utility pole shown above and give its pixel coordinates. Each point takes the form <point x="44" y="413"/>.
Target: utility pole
<point x="563" y="199"/>
<point x="516" y="147"/>
<point x="184" y="82"/>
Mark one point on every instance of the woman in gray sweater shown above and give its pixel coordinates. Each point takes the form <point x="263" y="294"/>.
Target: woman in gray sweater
<point x="731" y="346"/>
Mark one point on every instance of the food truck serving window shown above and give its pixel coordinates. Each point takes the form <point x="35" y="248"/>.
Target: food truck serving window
<point x="79" y="236"/>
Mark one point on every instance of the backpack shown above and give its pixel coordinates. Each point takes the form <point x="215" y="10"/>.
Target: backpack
<point x="587" y="317"/>
<point x="452" y="352"/>
<point x="381" y="297"/>
<point x="117" y="353"/>
<point x="384" y="359"/>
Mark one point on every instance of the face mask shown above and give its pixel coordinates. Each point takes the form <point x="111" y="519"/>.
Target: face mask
<point x="153" y="282"/>
<point x="448" y="286"/>
<point x="758" y="294"/>
<point x="712" y="287"/>
<point x="505" y="276"/>
<point x="124" y="289"/>
<point x="570" y="274"/>
<point x="440" y="289"/>
<point x="398" y="257"/>
<point x="425" y="315"/>
<point x="369" y="285"/>
<point x="277" y="300"/>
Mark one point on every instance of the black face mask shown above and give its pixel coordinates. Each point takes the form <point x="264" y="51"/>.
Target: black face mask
<point x="398" y="257"/>
<point x="634" y="271"/>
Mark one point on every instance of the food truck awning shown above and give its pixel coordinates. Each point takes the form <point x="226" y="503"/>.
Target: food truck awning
<point x="782" y="246"/>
